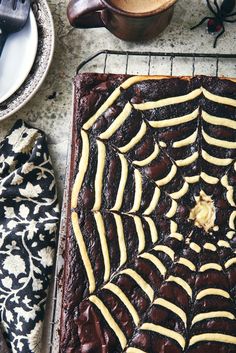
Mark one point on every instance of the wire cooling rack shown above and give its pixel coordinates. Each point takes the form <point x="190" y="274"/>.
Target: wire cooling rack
<point x="133" y="63"/>
<point x="50" y="341"/>
<point x="159" y="63"/>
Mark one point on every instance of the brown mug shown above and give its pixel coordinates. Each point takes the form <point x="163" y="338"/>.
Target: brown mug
<point x="127" y="25"/>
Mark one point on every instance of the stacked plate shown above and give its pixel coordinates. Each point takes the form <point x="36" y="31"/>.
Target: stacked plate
<point x="26" y="59"/>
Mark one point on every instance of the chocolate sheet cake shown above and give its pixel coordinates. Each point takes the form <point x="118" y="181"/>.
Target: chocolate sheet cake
<point x="150" y="263"/>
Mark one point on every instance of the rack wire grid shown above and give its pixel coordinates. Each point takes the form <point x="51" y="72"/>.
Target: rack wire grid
<point x="132" y="63"/>
<point x="160" y="63"/>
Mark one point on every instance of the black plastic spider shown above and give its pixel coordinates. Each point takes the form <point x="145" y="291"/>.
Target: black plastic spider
<point x="221" y="14"/>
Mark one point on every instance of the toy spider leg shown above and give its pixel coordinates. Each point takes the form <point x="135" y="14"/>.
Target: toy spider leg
<point x="216" y="5"/>
<point x="222" y="13"/>
<point x="232" y="14"/>
<point x="230" y="21"/>
<point x="219" y="35"/>
<point x="202" y="21"/>
<point x="210" y="7"/>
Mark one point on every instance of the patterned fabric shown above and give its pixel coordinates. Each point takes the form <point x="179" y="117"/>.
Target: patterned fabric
<point x="28" y="222"/>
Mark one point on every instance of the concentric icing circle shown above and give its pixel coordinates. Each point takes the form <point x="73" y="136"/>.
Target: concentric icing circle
<point x="154" y="212"/>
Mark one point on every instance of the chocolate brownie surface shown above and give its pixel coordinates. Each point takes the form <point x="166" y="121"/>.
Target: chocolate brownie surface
<point x="150" y="263"/>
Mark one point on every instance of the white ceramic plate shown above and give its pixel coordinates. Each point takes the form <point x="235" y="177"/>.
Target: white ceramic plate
<point x="17" y="58"/>
<point x="36" y="75"/>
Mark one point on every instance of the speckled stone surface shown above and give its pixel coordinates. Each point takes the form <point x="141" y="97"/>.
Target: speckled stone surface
<point x="51" y="107"/>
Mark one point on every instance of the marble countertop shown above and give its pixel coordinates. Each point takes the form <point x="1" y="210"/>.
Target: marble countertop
<point x="51" y="107"/>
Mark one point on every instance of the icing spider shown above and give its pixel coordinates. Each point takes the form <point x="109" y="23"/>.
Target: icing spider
<point x="222" y="13"/>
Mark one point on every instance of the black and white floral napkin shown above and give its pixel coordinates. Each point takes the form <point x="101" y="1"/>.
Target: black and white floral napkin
<point x="29" y="216"/>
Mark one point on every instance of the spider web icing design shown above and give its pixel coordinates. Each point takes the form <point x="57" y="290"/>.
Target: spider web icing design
<point x="156" y="279"/>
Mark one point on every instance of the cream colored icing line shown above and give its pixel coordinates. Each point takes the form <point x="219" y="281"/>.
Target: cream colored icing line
<point x="109" y="319"/>
<point x="154" y="202"/>
<point x="223" y="243"/>
<point x="156" y="262"/>
<point x="215" y="337"/>
<point x="135" y="79"/>
<point x="216" y="161"/>
<point x="111" y="99"/>
<point x="230" y="262"/>
<point x="188" y="160"/>
<point x="165" y="332"/>
<point x="140" y="282"/>
<point x="138" y="191"/>
<point x="117" y="122"/>
<point x="83" y="251"/>
<point x="209" y="179"/>
<point x="172" y="307"/>
<point x="177" y="236"/>
<point x="230" y="190"/>
<point x="102" y="109"/>
<point x="168" y="178"/>
<point x="195" y="247"/>
<point x="162" y="144"/>
<point x="123" y="180"/>
<point x="101" y="160"/>
<point x="168" y="251"/>
<point x="174" y="121"/>
<point x="216" y="142"/>
<point x="122" y="296"/>
<point x="213" y="315"/>
<point x="178" y="194"/>
<point x="121" y="239"/>
<point x="209" y="246"/>
<point x="210" y="266"/>
<point x="136" y="139"/>
<point x="151" y="105"/>
<point x="140" y="233"/>
<point x="230" y="234"/>
<point x="134" y="350"/>
<point x="169" y="101"/>
<point x="182" y="283"/>
<point x="230" y="196"/>
<point x="172" y="210"/>
<point x="212" y="291"/>
<point x="187" y="263"/>
<point x="104" y="246"/>
<point x="192" y="179"/>
<point x="173" y="227"/>
<point x="187" y="141"/>
<point x="83" y="165"/>
<point x="149" y="159"/>
<point x="231" y="220"/>
<point x="219" y="99"/>
<point x="216" y="120"/>
<point x="153" y="229"/>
